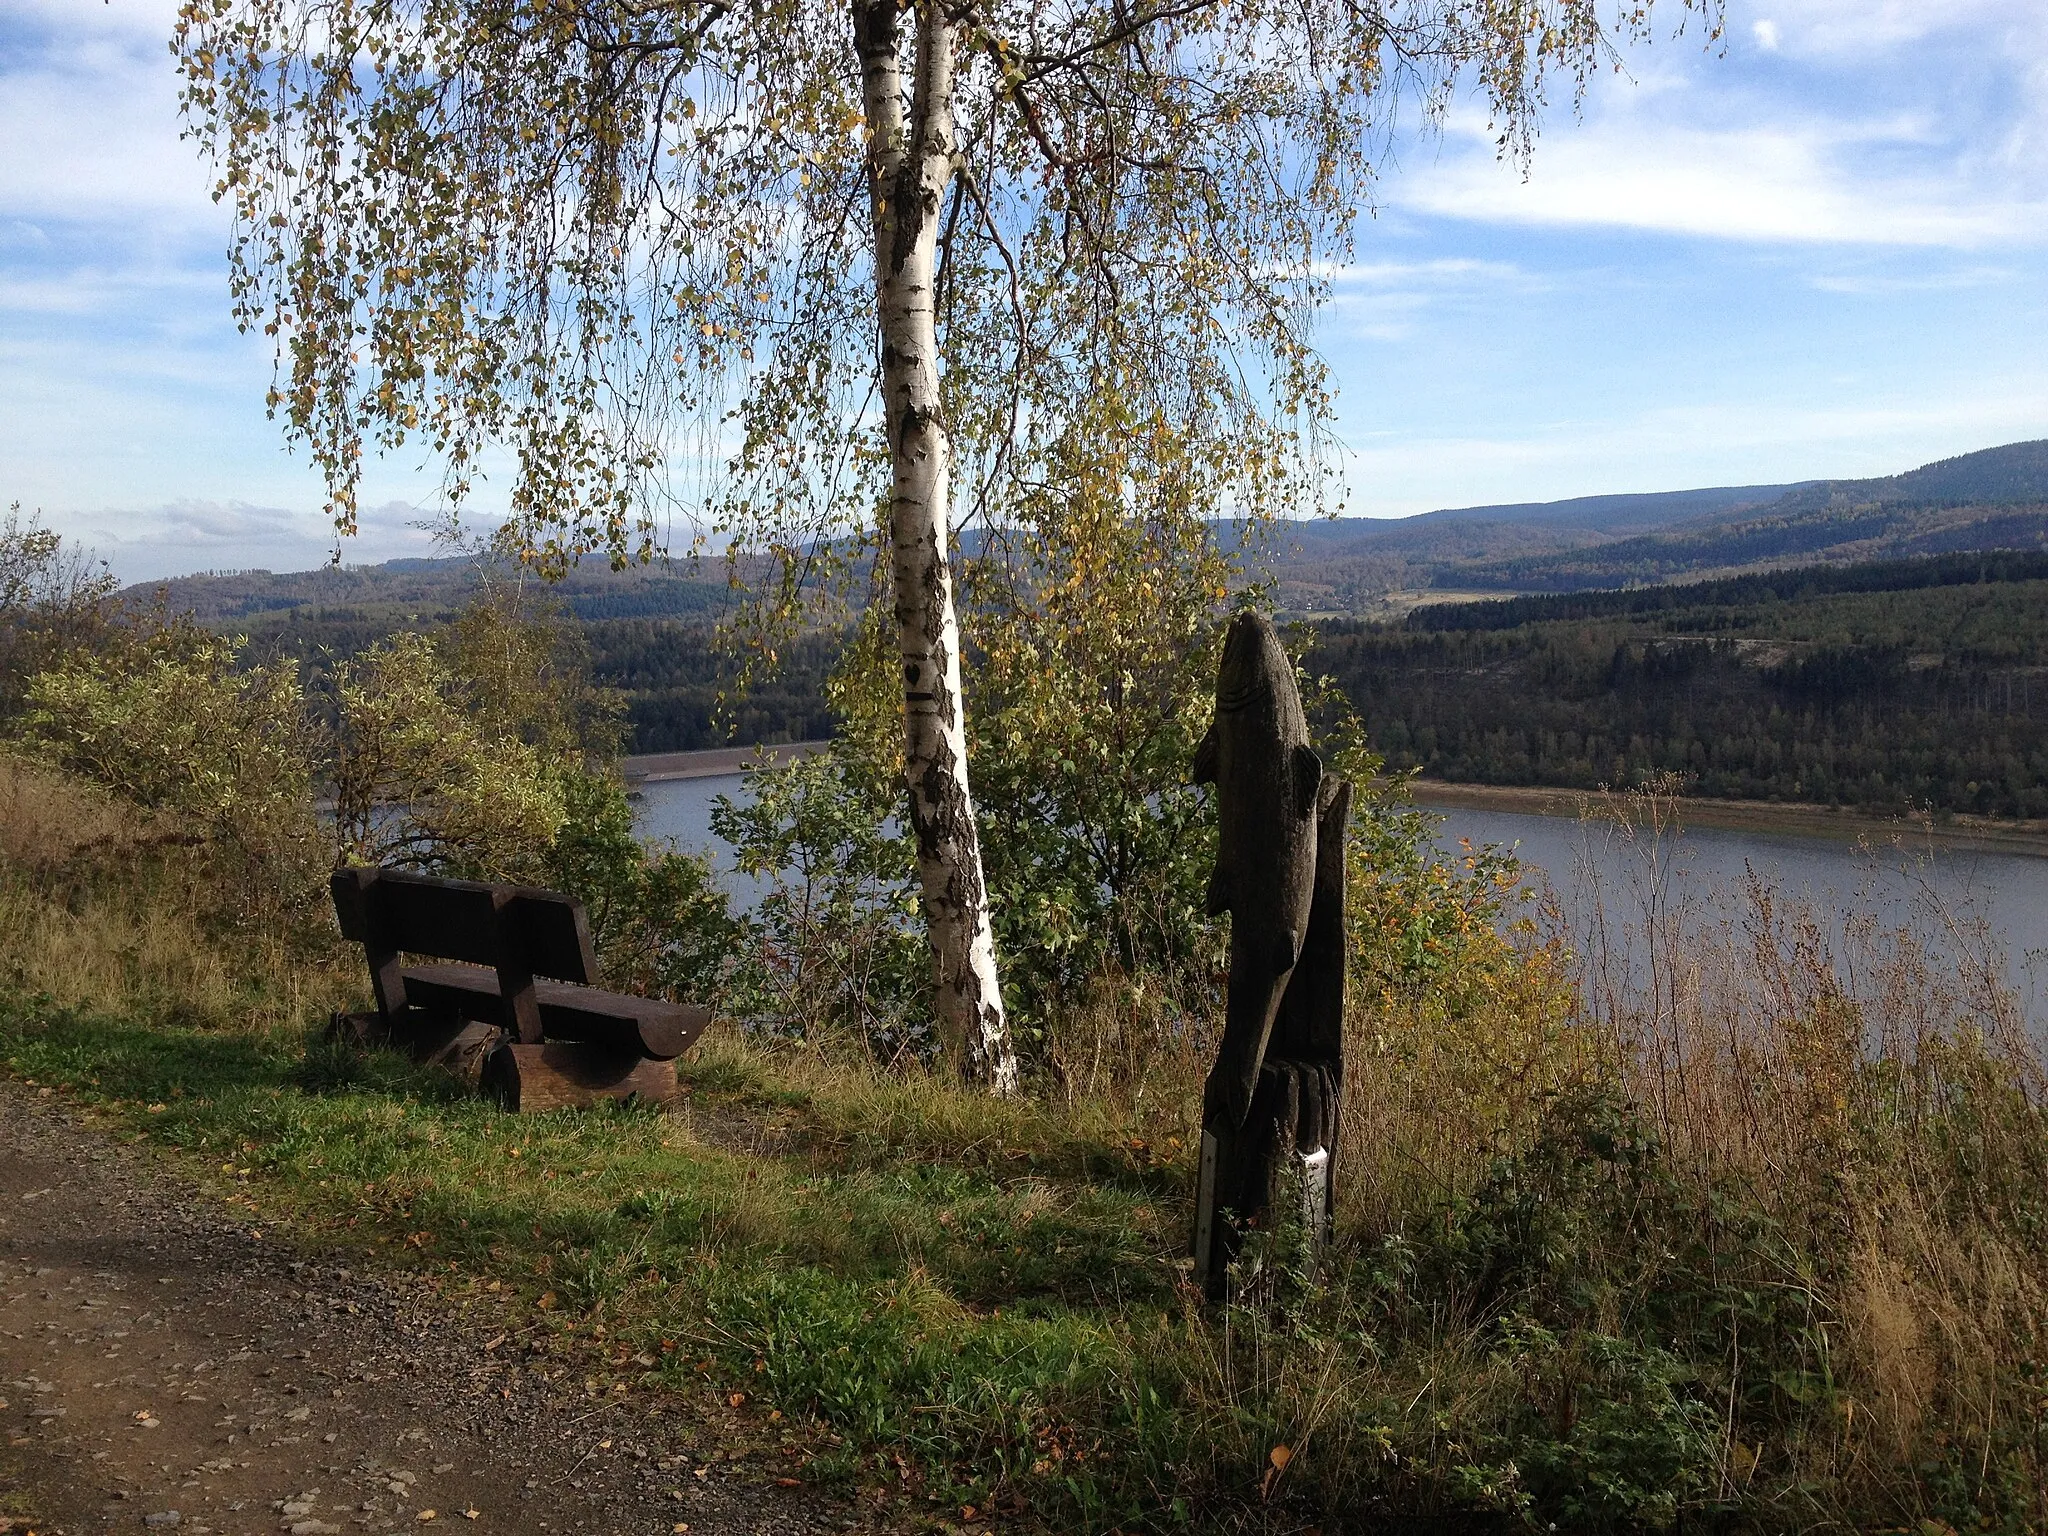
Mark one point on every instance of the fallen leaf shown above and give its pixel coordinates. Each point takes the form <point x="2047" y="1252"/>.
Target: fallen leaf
<point x="789" y="1482"/>
<point x="736" y="1399"/>
<point x="424" y="1515"/>
<point x="1279" y="1456"/>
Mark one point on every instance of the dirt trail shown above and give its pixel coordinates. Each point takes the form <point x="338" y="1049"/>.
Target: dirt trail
<point x="161" y="1368"/>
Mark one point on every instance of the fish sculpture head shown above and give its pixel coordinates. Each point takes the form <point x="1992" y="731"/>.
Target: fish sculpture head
<point x="1253" y="662"/>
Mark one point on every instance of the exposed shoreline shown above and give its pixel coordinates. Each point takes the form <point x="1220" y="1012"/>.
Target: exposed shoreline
<point x="714" y="763"/>
<point x="1971" y="833"/>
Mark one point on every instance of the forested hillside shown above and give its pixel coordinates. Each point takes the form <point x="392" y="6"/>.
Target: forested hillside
<point x="405" y="591"/>
<point x="1896" y="684"/>
<point x="1996" y="499"/>
<point x="1821" y="672"/>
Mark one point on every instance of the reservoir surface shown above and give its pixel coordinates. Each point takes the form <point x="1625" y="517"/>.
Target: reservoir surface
<point x="1948" y="893"/>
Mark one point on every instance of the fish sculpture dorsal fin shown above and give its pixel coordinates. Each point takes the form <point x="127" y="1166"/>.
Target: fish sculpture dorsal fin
<point x="1205" y="758"/>
<point x="1219" y="892"/>
<point x="1308" y="778"/>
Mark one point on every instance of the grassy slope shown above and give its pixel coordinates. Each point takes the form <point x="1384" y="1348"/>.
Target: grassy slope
<point x="1778" y="1262"/>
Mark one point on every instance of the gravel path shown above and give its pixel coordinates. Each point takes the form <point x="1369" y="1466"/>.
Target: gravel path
<point x="163" y="1368"/>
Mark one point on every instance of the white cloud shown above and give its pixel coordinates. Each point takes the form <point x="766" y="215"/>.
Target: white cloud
<point x="1882" y="284"/>
<point x="181" y="537"/>
<point x="1785" y="182"/>
<point x="1440" y="272"/>
<point x="100" y="288"/>
<point x="1389" y="300"/>
<point x="1860" y="28"/>
<point x="91" y="122"/>
<point x="1856" y="122"/>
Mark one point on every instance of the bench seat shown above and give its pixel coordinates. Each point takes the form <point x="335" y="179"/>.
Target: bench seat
<point x="644" y="1026"/>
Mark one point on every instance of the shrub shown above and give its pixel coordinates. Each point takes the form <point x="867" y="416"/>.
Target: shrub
<point x="834" y="942"/>
<point x="167" y="720"/>
<point x="657" y="915"/>
<point x="424" y="779"/>
<point x="53" y="602"/>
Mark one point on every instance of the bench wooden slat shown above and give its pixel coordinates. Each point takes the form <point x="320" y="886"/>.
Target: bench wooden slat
<point x="644" y="1026"/>
<point x="461" y="920"/>
<point x="529" y="962"/>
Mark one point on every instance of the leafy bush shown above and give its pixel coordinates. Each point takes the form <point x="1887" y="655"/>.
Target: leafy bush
<point x="481" y="751"/>
<point x="169" y="721"/>
<point x="425" y="779"/>
<point x="1094" y="667"/>
<point x="53" y="601"/>
<point x="657" y="914"/>
<point x="834" y="942"/>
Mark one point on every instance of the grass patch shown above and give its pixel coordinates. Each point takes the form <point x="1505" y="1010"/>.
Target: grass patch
<point x="968" y="1312"/>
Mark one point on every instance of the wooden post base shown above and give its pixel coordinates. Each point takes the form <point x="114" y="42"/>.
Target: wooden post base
<point x="564" y="1074"/>
<point x="1277" y="1168"/>
<point x="455" y="1045"/>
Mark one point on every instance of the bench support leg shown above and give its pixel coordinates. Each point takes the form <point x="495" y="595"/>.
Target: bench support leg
<point x="562" y="1074"/>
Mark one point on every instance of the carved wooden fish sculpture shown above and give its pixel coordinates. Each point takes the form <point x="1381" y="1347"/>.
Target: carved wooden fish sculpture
<point x="1266" y="777"/>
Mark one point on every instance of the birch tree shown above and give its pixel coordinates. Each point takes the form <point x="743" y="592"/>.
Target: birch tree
<point x="820" y="269"/>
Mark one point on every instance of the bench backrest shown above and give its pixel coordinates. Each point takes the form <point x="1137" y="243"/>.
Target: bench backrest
<point x="466" y="920"/>
<point x="518" y="931"/>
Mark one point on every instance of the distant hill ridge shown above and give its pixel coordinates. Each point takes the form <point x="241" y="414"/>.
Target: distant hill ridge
<point x="414" y="586"/>
<point x="2018" y="472"/>
<point x="1993" y="499"/>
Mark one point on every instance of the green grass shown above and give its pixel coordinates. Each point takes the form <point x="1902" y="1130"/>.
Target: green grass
<point x="970" y="1312"/>
<point x="947" y="1302"/>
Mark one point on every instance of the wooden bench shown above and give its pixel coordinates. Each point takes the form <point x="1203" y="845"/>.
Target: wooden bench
<point x="521" y="995"/>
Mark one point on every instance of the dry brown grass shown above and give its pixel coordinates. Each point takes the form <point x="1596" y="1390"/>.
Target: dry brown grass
<point x="104" y="908"/>
<point x="48" y="820"/>
<point x="1873" y="1085"/>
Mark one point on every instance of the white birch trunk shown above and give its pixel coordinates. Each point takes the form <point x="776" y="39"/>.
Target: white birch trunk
<point x="909" y="165"/>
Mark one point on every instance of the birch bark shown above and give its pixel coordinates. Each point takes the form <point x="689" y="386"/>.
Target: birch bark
<point x="910" y="162"/>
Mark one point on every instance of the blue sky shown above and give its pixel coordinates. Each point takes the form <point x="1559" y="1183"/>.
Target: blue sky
<point x="1816" y="250"/>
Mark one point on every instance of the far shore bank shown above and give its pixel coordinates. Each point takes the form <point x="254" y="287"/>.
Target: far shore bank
<point x="1975" y="833"/>
<point x="713" y="763"/>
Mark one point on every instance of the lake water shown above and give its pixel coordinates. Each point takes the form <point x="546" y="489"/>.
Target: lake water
<point x="1940" y="890"/>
